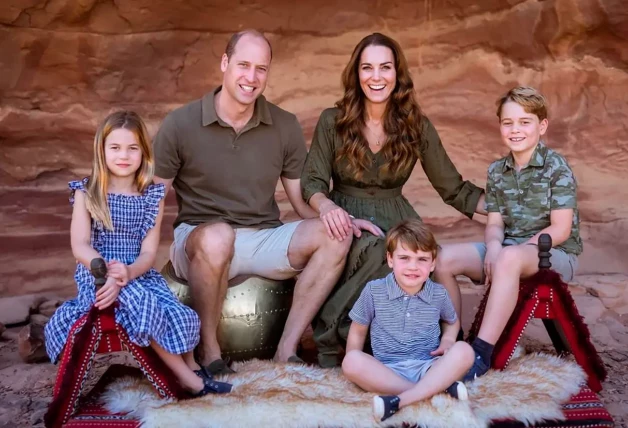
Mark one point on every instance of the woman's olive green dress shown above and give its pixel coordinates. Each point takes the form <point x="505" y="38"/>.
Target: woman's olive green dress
<point x="374" y="198"/>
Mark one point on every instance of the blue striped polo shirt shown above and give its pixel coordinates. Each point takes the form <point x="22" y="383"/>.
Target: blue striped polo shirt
<point x="403" y="327"/>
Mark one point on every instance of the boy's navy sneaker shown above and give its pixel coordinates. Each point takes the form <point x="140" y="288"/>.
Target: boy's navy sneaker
<point x="384" y="406"/>
<point x="458" y="390"/>
<point x="478" y="369"/>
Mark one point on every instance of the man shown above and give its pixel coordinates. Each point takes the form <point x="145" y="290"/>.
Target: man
<point x="223" y="155"/>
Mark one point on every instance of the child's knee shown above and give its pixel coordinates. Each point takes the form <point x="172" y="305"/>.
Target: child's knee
<point x="517" y="259"/>
<point x="456" y="260"/>
<point x="446" y="262"/>
<point x="351" y="363"/>
<point x="441" y="263"/>
<point x="509" y="258"/>
<point x="464" y="352"/>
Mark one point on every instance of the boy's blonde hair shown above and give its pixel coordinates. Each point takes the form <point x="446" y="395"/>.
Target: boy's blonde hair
<point x="96" y="197"/>
<point x="414" y="235"/>
<point x="527" y="97"/>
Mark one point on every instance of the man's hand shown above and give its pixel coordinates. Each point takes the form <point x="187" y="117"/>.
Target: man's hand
<point x="492" y="252"/>
<point x="336" y="220"/>
<point x="445" y="345"/>
<point x="107" y="294"/>
<point x="359" y="225"/>
<point x="119" y="271"/>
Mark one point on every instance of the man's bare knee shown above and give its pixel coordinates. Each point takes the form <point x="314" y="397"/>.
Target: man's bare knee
<point x="335" y="246"/>
<point x="211" y="243"/>
<point x="311" y="237"/>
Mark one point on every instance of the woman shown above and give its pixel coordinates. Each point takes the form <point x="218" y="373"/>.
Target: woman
<point x="368" y="146"/>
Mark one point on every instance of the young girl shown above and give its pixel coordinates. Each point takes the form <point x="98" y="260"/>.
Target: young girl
<point x="116" y="216"/>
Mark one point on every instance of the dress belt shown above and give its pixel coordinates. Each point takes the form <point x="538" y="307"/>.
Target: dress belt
<point x="367" y="192"/>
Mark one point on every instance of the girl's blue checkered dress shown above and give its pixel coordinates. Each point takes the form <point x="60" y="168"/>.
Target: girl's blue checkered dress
<point x="147" y="309"/>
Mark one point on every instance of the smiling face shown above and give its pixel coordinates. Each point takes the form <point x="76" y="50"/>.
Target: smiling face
<point x="377" y="74"/>
<point x="520" y="130"/>
<point x="246" y="71"/>
<point x="411" y="268"/>
<point x="123" y="154"/>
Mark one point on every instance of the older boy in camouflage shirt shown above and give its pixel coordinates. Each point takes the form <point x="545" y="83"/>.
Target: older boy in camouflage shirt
<point x="529" y="192"/>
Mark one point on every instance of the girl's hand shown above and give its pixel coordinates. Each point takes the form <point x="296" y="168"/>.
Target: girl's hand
<point x="492" y="252"/>
<point x="336" y="220"/>
<point x="107" y="294"/>
<point x="442" y="349"/>
<point x="359" y="225"/>
<point x="119" y="271"/>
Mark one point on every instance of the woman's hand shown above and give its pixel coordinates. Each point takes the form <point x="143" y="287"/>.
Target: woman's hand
<point x="359" y="225"/>
<point x="492" y="252"/>
<point x="107" y="294"/>
<point x="336" y="220"/>
<point x="119" y="271"/>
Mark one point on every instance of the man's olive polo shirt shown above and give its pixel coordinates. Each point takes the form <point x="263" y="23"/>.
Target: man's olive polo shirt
<point x="220" y="175"/>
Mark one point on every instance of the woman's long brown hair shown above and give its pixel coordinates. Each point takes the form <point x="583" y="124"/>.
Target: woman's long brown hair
<point x="402" y="117"/>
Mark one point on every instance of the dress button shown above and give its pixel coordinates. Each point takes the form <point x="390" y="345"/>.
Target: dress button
<point x="408" y="314"/>
<point x="372" y="218"/>
<point x="521" y="192"/>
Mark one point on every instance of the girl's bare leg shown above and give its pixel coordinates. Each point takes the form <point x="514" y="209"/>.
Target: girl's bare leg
<point x="187" y="378"/>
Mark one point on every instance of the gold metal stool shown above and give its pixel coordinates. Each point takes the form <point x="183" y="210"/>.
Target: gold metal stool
<point x="253" y="315"/>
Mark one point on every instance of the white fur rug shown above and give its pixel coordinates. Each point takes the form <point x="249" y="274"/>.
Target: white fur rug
<point x="267" y="394"/>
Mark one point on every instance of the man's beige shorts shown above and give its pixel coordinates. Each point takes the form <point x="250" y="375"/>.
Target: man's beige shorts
<point x="262" y="252"/>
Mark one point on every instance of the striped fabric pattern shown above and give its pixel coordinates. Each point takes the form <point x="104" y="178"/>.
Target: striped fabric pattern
<point x="403" y="327"/>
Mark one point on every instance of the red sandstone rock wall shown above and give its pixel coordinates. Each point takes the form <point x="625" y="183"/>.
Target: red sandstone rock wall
<point x="64" y="64"/>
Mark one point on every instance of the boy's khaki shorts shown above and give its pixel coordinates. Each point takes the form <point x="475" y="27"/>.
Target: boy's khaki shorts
<point x="563" y="263"/>
<point x="262" y="252"/>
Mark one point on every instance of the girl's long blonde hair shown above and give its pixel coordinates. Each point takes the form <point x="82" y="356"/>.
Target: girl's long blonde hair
<point x="96" y="200"/>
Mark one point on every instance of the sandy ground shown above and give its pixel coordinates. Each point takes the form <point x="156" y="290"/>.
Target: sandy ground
<point x="26" y="389"/>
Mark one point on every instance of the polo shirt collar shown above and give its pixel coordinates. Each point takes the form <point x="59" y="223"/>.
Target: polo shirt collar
<point x="209" y="115"/>
<point x="537" y="158"/>
<point x="395" y="292"/>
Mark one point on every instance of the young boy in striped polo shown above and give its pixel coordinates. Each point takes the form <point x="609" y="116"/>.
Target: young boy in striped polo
<point x="411" y="361"/>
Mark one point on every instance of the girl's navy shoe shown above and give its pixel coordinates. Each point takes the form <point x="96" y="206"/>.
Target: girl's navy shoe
<point x="211" y="386"/>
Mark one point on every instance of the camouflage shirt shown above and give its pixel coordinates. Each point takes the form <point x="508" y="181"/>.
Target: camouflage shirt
<point x="525" y="198"/>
